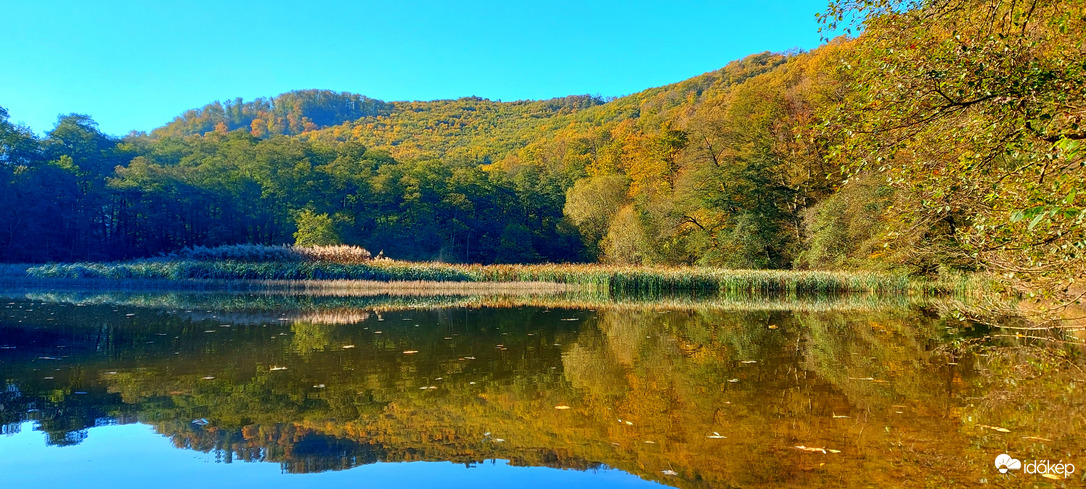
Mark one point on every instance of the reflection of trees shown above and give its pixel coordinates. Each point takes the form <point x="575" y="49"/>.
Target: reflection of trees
<point x="629" y="376"/>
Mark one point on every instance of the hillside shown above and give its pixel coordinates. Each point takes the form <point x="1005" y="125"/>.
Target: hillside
<point x="467" y="128"/>
<point x="940" y="139"/>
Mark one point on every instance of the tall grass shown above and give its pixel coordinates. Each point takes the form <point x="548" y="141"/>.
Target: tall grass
<point x="642" y="280"/>
<point x="323" y="263"/>
<point x="273" y="253"/>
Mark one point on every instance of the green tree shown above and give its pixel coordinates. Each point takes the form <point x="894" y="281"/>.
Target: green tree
<point x="315" y="229"/>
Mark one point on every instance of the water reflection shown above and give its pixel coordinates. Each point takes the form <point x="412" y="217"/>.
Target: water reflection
<point x="687" y="392"/>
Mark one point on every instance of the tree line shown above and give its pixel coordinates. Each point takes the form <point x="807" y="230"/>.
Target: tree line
<point x="945" y="135"/>
<point x="78" y="194"/>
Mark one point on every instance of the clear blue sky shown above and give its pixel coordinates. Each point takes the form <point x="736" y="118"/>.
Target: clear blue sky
<point x="134" y="65"/>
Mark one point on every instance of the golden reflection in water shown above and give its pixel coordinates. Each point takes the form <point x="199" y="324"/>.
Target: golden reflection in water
<point x="688" y="396"/>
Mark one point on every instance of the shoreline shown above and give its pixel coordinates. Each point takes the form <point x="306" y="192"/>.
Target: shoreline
<point x="391" y="274"/>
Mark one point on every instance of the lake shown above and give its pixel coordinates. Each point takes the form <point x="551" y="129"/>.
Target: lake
<point x="204" y="389"/>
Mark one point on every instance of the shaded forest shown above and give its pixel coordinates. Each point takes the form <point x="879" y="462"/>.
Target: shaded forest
<point x="946" y="135"/>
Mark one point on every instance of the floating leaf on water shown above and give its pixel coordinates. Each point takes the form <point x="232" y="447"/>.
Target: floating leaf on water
<point x="994" y="428"/>
<point x="562" y="407"/>
<point x="1037" y="438"/>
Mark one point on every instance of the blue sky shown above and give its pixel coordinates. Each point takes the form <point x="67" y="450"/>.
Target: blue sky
<point x="134" y="65"/>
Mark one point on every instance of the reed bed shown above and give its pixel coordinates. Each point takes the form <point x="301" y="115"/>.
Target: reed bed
<point x="274" y="253"/>
<point x="335" y="308"/>
<point x="631" y="279"/>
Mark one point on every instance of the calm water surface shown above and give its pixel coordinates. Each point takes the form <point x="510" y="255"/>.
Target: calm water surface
<point x="219" y="390"/>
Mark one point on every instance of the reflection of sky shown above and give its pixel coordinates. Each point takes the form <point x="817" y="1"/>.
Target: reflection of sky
<point x="134" y="456"/>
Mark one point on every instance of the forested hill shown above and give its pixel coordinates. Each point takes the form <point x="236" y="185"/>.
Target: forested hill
<point x="468" y="127"/>
<point x="944" y="137"/>
<point x="289" y="113"/>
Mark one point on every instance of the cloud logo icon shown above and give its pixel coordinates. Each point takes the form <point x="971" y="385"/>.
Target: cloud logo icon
<point x="1004" y="463"/>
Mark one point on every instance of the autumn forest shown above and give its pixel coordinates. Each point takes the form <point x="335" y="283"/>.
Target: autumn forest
<point x="943" y="137"/>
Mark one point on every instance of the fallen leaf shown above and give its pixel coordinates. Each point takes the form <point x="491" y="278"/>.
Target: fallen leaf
<point x="1037" y="438"/>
